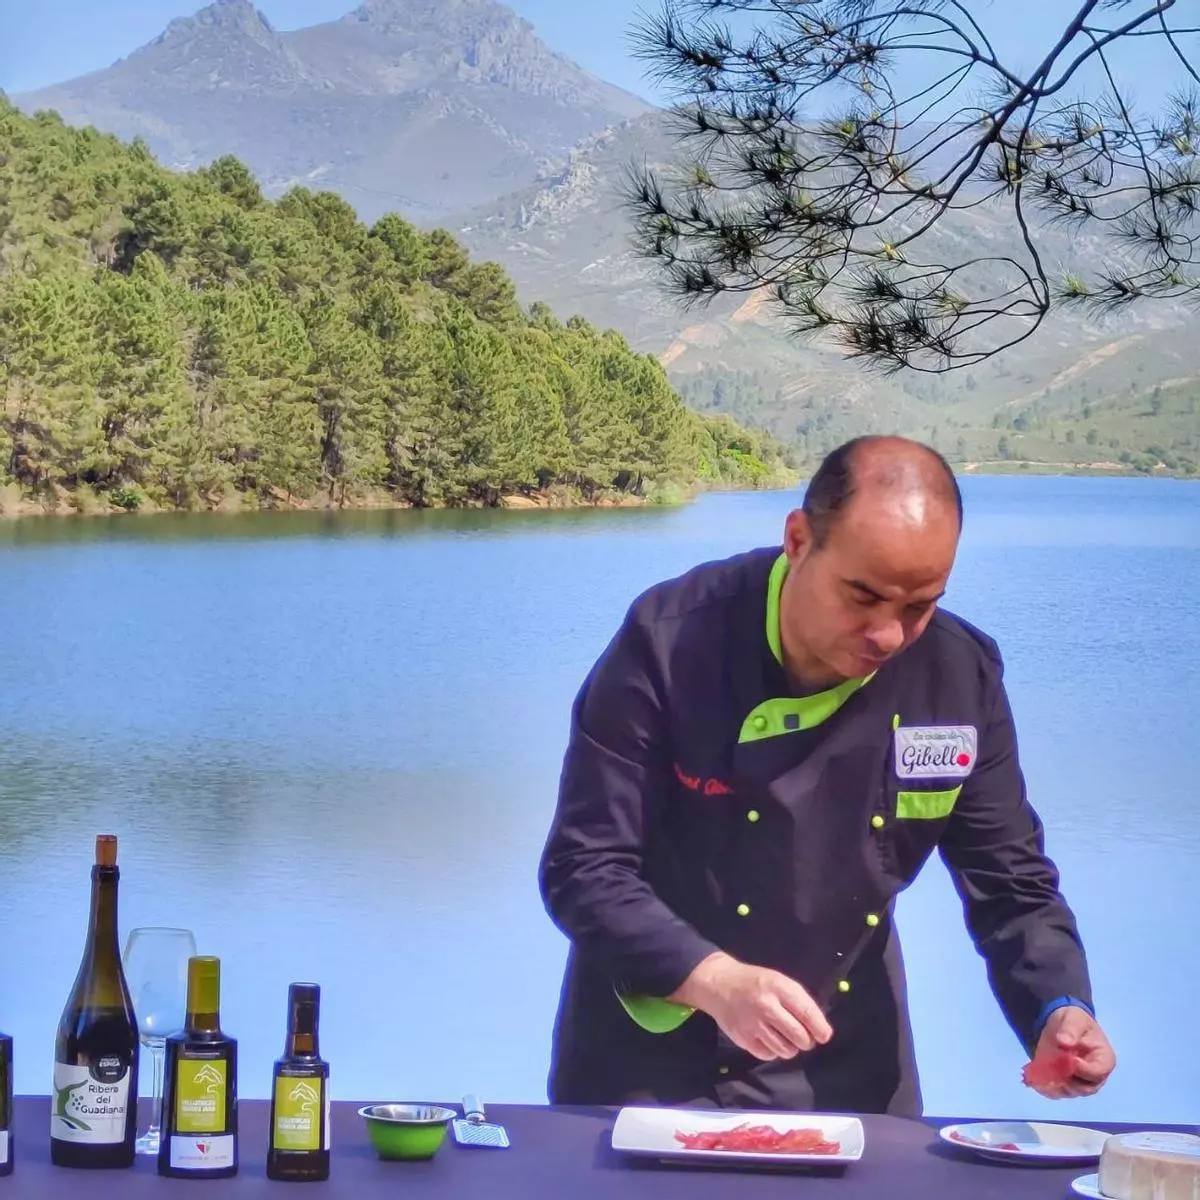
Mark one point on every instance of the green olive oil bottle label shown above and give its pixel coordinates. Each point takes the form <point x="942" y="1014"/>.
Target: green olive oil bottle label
<point x="298" y="1114"/>
<point x="200" y="1142"/>
<point x="200" y="1098"/>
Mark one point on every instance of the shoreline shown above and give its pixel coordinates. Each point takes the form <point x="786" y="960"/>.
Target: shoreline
<point x="24" y="508"/>
<point x="556" y="498"/>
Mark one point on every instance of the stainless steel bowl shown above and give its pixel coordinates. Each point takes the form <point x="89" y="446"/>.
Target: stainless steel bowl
<point x="408" y="1114"/>
<point x="410" y="1131"/>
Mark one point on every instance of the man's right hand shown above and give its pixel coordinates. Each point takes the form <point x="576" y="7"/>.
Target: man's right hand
<point x="762" y="1011"/>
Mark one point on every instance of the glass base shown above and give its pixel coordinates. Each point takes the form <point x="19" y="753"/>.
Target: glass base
<point x="148" y="1143"/>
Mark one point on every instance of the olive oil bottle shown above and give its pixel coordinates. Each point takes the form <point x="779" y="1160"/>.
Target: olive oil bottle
<point x="199" y="1114"/>
<point x="6" y="1105"/>
<point x="93" y="1117"/>
<point x="298" y="1145"/>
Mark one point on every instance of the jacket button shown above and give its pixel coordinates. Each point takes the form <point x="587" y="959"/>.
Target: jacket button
<point x="743" y="910"/>
<point x="760" y="723"/>
<point x="722" y="1070"/>
<point x="876" y="822"/>
<point x="872" y="920"/>
<point x="843" y="985"/>
<point x="752" y="815"/>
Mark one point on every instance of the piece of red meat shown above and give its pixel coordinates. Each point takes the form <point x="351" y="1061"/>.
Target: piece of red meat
<point x="955" y="1136"/>
<point x="1057" y="1066"/>
<point x="760" y="1139"/>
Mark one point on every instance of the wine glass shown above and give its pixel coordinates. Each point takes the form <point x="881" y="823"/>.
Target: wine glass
<point x="155" y="963"/>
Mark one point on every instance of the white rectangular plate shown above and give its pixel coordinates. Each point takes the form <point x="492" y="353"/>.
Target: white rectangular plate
<point x="651" y="1132"/>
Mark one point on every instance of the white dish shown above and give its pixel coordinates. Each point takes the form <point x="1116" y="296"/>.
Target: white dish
<point x="1089" y="1186"/>
<point x="651" y="1132"/>
<point x="1041" y="1142"/>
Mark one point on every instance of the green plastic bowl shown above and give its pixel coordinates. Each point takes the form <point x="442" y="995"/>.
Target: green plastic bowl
<point x="407" y="1131"/>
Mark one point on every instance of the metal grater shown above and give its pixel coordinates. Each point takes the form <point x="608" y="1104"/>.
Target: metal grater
<point x="472" y="1129"/>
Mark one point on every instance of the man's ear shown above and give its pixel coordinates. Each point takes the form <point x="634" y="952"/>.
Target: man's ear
<point x="797" y="536"/>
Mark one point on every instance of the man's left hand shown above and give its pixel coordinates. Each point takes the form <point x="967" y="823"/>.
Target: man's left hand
<point x="1075" y="1030"/>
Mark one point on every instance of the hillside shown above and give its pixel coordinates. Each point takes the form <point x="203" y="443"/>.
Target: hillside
<point x="412" y="106"/>
<point x="568" y="240"/>
<point x="179" y="341"/>
<point x="454" y="114"/>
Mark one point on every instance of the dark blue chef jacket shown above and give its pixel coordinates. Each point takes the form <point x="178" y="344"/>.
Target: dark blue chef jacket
<point x="705" y="805"/>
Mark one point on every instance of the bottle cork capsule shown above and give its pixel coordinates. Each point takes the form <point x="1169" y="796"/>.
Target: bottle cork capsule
<point x="106" y="850"/>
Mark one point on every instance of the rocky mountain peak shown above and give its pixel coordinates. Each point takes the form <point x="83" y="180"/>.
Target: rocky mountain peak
<point x="227" y="16"/>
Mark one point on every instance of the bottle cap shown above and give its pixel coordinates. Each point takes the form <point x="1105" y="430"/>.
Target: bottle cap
<point x="106" y="850"/>
<point x="304" y="1000"/>
<point x="304" y="993"/>
<point x="204" y="984"/>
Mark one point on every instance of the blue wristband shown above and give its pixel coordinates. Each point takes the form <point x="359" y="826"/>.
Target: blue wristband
<point x="1053" y="1006"/>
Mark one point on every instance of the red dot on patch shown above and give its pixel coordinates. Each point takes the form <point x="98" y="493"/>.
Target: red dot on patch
<point x="963" y="759"/>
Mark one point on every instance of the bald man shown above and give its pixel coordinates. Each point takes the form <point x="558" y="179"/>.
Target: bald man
<point x="765" y="755"/>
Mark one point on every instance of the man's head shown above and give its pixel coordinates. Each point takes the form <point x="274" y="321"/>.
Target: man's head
<point x="869" y="554"/>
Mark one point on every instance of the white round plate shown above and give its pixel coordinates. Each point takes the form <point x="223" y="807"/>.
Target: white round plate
<point x="1042" y="1143"/>
<point x="1089" y="1186"/>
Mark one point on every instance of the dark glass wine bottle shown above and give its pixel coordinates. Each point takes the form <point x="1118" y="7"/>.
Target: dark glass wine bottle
<point x="93" y="1116"/>
<point x="298" y="1142"/>
<point x="199" y="1113"/>
<point x="6" y="1105"/>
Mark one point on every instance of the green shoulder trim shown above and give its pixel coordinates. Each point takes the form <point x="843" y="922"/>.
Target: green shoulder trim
<point x="789" y="714"/>
<point x="926" y="806"/>
<point x="654" y="1014"/>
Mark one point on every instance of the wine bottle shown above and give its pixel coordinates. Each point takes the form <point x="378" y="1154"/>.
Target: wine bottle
<point x="199" y="1122"/>
<point x="93" y="1118"/>
<point x="6" y="1105"/>
<point x="298" y="1143"/>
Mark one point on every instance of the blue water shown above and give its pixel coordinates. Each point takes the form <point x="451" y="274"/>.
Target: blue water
<point x="330" y="747"/>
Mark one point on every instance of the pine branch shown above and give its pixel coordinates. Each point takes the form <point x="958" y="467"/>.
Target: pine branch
<point x="839" y="218"/>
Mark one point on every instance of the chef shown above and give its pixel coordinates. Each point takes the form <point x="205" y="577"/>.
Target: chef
<point x="766" y="753"/>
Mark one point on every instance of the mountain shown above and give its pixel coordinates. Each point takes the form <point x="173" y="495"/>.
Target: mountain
<point x="567" y="241"/>
<point x="417" y="106"/>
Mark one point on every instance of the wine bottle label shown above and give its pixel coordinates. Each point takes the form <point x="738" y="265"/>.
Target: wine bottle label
<point x="3" y="1147"/>
<point x="298" y="1115"/>
<point x="200" y="1095"/>
<point x="201" y="1153"/>
<point x="91" y="1103"/>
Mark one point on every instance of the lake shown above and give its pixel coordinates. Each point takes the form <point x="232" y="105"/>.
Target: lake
<point x="330" y="746"/>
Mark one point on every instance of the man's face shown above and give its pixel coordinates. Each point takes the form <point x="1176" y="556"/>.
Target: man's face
<point x="869" y="592"/>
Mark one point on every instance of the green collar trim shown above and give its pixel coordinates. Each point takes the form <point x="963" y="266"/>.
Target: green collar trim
<point x="789" y="714"/>
<point x="774" y="591"/>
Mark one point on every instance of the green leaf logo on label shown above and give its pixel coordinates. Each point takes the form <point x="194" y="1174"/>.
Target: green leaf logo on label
<point x="62" y="1098"/>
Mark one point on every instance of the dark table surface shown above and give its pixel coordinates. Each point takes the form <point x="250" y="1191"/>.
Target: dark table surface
<point x="559" y="1153"/>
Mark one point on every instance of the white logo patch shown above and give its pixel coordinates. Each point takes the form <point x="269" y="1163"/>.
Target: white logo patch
<point x="935" y="751"/>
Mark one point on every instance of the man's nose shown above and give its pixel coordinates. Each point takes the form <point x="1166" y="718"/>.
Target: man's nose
<point x="888" y="637"/>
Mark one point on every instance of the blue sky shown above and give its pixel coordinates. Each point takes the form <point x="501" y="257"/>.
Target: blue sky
<point x="46" y="41"/>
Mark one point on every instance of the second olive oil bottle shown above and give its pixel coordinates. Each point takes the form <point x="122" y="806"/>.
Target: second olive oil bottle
<point x="298" y="1144"/>
<point x="199" y="1121"/>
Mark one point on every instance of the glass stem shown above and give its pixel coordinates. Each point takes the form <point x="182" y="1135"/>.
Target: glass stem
<point x="156" y="1054"/>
